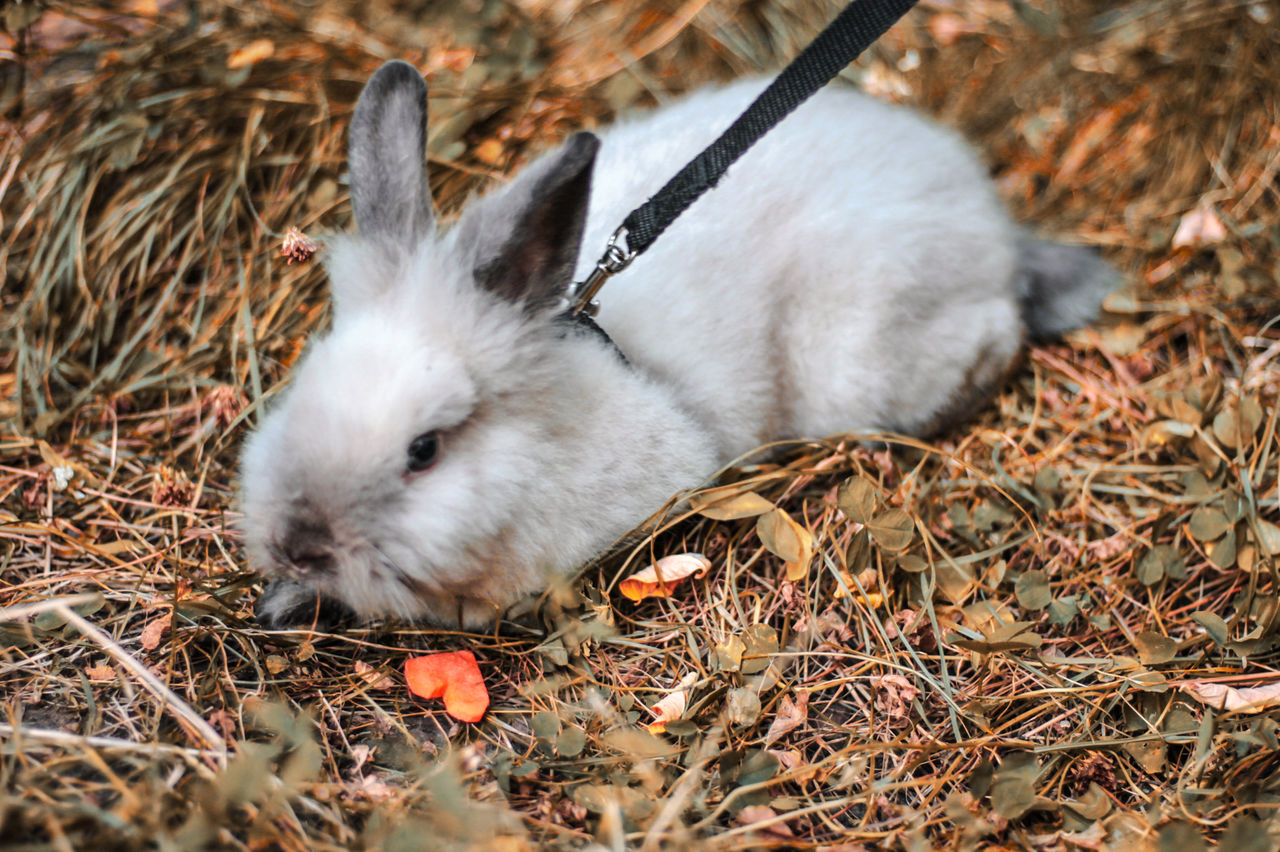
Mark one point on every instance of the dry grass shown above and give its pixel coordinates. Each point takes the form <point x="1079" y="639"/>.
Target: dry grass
<point x="1010" y="668"/>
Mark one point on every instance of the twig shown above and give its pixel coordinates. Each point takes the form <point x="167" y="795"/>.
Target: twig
<point x="182" y="711"/>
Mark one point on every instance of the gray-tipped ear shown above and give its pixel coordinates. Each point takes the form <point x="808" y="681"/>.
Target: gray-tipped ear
<point x="524" y="240"/>
<point x="388" y="156"/>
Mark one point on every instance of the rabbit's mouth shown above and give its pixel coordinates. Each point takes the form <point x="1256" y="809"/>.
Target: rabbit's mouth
<point x="453" y="607"/>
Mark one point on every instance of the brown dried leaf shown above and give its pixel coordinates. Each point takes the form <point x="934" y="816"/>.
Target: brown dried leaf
<point x="791" y="714"/>
<point x="373" y="676"/>
<point x="718" y="507"/>
<point x="762" y="643"/>
<point x="1238" y="699"/>
<point x="1268" y="537"/>
<point x="672" y="706"/>
<point x="791" y="759"/>
<point x="892" y="530"/>
<point x="894" y="694"/>
<point x="101" y="673"/>
<point x="742" y="706"/>
<point x="1207" y="523"/>
<point x="726" y="656"/>
<point x="1013" y="788"/>
<point x="857" y="498"/>
<point x="1032" y="590"/>
<point x="787" y="540"/>
<point x="1154" y="648"/>
<point x="636" y="743"/>
<point x="276" y="664"/>
<point x="155" y="629"/>
<point x="752" y="814"/>
<point x="660" y="579"/>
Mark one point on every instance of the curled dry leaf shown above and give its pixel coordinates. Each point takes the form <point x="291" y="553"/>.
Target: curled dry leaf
<point x="453" y="676"/>
<point x="894" y="694"/>
<point x="1222" y="697"/>
<point x="673" y="704"/>
<point x="660" y="579"/>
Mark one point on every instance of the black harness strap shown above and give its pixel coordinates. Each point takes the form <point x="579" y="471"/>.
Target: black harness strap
<point x="852" y="31"/>
<point x="585" y="321"/>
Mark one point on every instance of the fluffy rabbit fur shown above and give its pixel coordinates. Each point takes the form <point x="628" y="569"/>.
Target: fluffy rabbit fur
<point x="853" y="270"/>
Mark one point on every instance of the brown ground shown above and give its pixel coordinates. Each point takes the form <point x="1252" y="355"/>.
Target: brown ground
<point x="1012" y="650"/>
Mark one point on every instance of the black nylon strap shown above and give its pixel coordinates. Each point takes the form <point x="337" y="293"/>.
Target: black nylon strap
<point x="588" y="323"/>
<point x="853" y="31"/>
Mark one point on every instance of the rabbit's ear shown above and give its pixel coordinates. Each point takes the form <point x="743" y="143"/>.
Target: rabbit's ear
<point x="524" y="241"/>
<point x="388" y="156"/>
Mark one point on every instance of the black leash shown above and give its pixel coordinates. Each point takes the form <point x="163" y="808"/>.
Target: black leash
<point x="853" y="31"/>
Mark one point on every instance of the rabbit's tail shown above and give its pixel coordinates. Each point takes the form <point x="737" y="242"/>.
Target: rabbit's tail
<point x="1060" y="287"/>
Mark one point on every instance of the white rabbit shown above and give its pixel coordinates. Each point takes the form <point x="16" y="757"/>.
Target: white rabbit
<point x="454" y="443"/>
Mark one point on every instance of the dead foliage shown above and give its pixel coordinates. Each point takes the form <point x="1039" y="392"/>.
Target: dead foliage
<point x="1054" y="628"/>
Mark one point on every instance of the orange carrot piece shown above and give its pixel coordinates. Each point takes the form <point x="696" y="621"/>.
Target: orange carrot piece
<point x="454" y="676"/>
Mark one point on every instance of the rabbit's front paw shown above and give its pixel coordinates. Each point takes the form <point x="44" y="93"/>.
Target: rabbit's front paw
<point x="288" y="603"/>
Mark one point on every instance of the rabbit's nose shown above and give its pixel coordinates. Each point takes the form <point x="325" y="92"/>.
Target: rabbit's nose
<point x="307" y="547"/>
<point x="312" y="561"/>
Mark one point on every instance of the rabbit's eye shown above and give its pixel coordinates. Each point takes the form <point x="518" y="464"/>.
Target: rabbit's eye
<point x="423" y="451"/>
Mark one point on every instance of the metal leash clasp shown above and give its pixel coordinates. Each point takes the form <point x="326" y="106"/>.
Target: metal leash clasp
<point x="617" y="257"/>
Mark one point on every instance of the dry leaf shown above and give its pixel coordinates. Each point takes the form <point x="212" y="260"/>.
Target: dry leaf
<point x="376" y="678"/>
<point x="251" y="54"/>
<point x="637" y="743"/>
<point x="791" y="759"/>
<point x="276" y="664"/>
<point x="65" y="472"/>
<point x="660" y="579"/>
<point x="892" y="529"/>
<point x="100" y="674"/>
<point x="727" y="655"/>
<point x="791" y="714"/>
<point x="1246" y="700"/>
<point x="742" y="706"/>
<point x="752" y="814"/>
<point x="1268" y="537"/>
<point x="150" y="638"/>
<point x="454" y="676"/>
<point x="673" y="704"/>
<point x="1201" y="226"/>
<point x="894" y="694"/>
<point x="787" y="540"/>
<point x="714" y="505"/>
